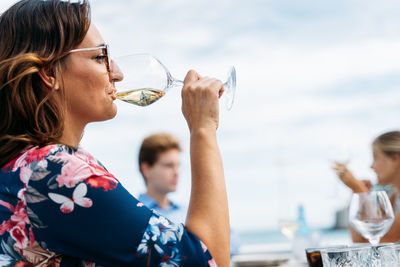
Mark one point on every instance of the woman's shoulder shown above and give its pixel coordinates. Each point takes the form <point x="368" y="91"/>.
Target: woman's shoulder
<point x="57" y="160"/>
<point x="30" y="155"/>
<point x="53" y="152"/>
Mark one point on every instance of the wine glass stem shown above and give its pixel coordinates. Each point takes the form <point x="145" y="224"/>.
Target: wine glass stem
<point x="175" y="82"/>
<point x="374" y="241"/>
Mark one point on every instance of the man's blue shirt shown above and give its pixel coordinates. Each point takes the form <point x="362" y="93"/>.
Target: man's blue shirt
<point x="174" y="212"/>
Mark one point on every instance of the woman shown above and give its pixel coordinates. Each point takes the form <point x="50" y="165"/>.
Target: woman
<point x="386" y="164"/>
<point x="58" y="205"/>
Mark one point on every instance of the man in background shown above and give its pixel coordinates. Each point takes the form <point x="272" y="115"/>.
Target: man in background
<point x="159" y="163"/>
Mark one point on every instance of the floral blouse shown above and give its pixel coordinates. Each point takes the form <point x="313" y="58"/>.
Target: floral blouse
<point x="60" y="207"/>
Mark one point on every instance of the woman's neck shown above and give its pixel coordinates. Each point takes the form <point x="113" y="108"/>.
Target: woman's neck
<point x="396" y="181"/>
<point x="72" y="134"/>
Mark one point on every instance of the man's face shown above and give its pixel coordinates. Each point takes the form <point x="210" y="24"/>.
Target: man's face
<point x="163" y="175"/>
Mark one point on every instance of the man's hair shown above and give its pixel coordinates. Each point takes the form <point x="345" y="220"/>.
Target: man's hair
<point x="155" y="144"/>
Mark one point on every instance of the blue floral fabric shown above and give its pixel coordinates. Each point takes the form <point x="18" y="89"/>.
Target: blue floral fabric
<point x="59" y="206"/>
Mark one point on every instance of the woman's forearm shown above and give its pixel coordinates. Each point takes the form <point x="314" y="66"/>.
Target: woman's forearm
<point x="359" y="187"/>
<point x="208" y="216"/>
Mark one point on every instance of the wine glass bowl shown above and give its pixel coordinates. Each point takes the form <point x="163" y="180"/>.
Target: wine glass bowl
<point x="339" y="156"/>
<point x="288" y="228"/>
<point x="146" y="80"/>
<point x="371" y="214"/>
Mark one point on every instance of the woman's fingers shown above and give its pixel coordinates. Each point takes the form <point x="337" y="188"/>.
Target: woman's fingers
<point x="200" y="100"/>
<point x="340" y="169"/>
<point x="191" y="76"/>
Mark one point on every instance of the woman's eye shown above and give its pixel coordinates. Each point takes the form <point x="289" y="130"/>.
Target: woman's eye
<point x="100" y="57"/>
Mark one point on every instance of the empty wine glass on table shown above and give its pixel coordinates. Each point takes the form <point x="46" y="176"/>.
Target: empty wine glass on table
<point x="371" y="215"/>
<point x="146" y="80"/>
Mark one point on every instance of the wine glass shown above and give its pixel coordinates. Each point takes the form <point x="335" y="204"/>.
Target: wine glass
<point x="288" y="227"/>
<point x="146" y="80"/>
<point x="339" y="158"/>
<point x="371" y="214"/>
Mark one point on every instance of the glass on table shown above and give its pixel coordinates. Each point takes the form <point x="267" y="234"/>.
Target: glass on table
<point x="314" y="258"/>
<point x="382" y="255"/>
<point x="371" y="215"/>
<point x="387" y="255"/>
<point x="313" y="255"/>
<point x="146" y="80"/>
<point x="346" y="257"/>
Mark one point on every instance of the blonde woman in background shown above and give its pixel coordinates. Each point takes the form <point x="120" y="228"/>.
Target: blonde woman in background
<point x="386" y="164"/>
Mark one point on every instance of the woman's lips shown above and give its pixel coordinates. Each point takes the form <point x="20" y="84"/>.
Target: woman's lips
<point x="112" y="91"/>
<point x="113" y="94"/>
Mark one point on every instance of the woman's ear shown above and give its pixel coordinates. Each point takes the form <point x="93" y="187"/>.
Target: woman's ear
<point x="49" y="79"/>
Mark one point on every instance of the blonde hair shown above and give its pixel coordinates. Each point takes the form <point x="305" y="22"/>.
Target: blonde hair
<point x="388" y="143"/>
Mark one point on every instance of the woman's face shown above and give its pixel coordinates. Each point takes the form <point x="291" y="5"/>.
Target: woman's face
<point x="384" y="166"/>
<point x="88" y="89"/>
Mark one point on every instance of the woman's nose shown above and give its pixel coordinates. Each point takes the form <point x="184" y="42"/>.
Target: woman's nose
<point x="116" y="74"/>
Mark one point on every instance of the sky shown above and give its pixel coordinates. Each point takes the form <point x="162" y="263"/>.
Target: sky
<point x="316" y="81"/>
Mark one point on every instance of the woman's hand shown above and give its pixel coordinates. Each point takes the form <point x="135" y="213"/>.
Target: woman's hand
<point x="349" y="180"/>
<point x="200" y="101"/>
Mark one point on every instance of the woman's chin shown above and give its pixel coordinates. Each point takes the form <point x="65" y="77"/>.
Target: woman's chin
<point x="109" y="114"/>
<point x="114" y="112"/>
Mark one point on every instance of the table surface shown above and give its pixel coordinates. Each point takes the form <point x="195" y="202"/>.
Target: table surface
<point x="283" y="259"/>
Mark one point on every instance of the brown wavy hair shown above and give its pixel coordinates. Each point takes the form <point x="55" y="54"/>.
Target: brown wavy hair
<point x="35" y="35"/>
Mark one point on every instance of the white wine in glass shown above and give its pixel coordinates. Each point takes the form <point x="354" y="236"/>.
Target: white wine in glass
<point x="141" y="97"/>
<point x="288" y="228"/>
<point x="146" y="80"/>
